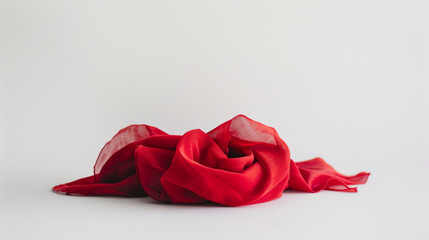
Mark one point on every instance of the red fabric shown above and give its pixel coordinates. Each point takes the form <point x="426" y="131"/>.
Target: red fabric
<point x="239" y="162"/>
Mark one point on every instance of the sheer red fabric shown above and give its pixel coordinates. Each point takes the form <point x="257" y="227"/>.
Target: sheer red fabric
<point x="238" y="163"/>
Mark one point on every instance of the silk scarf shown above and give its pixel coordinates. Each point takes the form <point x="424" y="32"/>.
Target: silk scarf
<point x="240" y="162"/>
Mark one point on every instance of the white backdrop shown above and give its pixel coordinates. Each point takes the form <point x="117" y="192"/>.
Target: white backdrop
<point x="344" y="80"/>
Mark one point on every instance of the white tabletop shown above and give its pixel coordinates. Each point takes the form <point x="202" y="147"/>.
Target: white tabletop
<point x="343" y="80"/>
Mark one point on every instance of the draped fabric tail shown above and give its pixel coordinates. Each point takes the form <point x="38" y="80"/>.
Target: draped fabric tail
<point x="129" y="187"/>
<point x="315" y="175"/>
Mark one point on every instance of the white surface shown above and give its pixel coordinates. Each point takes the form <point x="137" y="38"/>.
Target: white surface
<point x="344" y="80"/>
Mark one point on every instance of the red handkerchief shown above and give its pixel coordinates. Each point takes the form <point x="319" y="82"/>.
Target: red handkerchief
<point x="240" y="162"/>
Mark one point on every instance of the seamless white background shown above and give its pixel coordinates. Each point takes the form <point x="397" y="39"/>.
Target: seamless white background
<point x="344" y="80"/>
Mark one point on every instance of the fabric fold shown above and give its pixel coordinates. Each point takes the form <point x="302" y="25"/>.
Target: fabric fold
<point x="240" y="162"/>
<point x="315" y="175"/>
